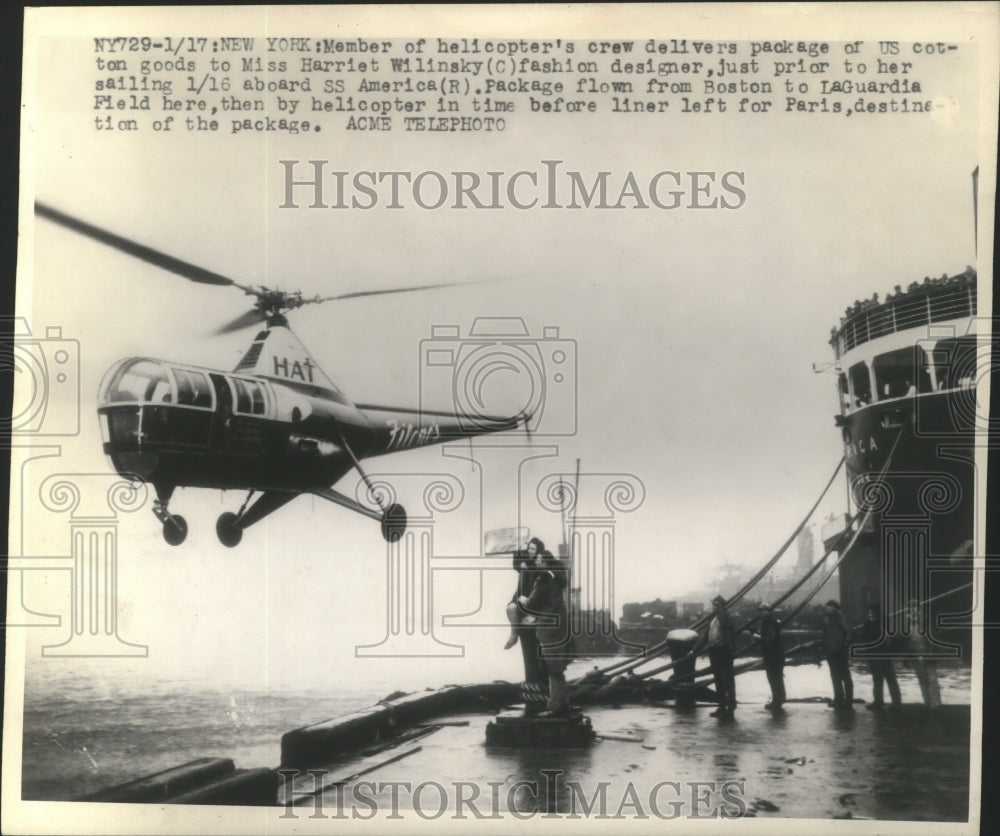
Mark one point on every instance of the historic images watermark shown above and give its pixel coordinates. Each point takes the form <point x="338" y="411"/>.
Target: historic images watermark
<point x="319" y="794"/>
<point x="317" y="184"/>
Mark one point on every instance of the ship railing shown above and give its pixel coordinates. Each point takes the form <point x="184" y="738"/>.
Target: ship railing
<point x="910" y="312"/>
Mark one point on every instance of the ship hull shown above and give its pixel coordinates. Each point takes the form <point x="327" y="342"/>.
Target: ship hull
<point x="911" y="464"/>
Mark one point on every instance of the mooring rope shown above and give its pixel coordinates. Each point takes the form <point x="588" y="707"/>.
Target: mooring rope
<point x="808" y="598"/>
<point x="631" y="665"/>
<point x="661" y="647"/>
<point x="857" y="532"/>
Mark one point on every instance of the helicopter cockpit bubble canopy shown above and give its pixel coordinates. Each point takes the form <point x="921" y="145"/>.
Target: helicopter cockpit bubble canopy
<point x="142" y="380"/>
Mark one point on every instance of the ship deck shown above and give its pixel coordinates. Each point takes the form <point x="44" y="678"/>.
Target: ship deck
<point x="425" y="755"/>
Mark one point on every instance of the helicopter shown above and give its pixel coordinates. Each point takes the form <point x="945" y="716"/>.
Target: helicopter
<point x="275" y="426"/>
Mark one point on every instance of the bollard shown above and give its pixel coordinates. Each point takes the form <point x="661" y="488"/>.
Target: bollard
<point x="680" y="643"/>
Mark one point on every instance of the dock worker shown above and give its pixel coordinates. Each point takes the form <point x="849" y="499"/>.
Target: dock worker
<point x="546" y="608"/>
<point x="836" y="647"/>
<point x="883" y="670"/>
<point x="772" y="651"/>
<point x="720" y="640"/>
<point x="920" y="660"/>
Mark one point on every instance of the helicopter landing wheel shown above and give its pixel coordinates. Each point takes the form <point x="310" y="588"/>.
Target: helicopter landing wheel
<point x="229" y="532"/>
<point x="175" y="529"/>
<point x="393" y="522"/>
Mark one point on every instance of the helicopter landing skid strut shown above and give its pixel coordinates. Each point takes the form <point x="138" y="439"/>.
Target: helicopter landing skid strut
<point x="174" y="525"/>
<point x="229" y="527"/>
<point x="393" y="518"/>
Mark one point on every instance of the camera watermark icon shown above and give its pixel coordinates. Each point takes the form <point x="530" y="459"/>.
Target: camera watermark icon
<point x="951" y="365"/>
<point x="46" y="373"/>
<point x="500" y="368"/>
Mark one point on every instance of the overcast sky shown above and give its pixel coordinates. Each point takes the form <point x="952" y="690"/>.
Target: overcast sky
<point x="693" y="335"/>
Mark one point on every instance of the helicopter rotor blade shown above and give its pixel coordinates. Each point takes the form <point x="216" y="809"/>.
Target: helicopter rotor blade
<point x="136" y="250"/>
<point x="359" y="293"/>
<point x="244" y="320"/>
<point x="269" y="302"/>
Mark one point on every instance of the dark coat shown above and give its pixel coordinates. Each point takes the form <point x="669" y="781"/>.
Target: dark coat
<point x="772" y="646"/>
<point x="913" y="640"/>
<point x="836" y="635"/>
<point x="870" y="631"/>
<point x="525" y="577"/>
<point x="728" y="631"/>
<point x="547" y="601"/>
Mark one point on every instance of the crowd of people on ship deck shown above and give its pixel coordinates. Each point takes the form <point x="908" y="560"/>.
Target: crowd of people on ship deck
<point x="898" y="293"/>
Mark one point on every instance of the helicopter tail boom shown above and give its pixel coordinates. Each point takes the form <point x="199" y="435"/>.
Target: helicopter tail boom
<point x="405" y="429"/>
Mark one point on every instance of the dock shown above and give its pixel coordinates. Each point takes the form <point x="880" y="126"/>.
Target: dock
<point x="427" y="753"/>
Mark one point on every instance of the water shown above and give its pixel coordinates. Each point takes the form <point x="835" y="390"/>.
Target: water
<point x="86" y="727"/>
<point x="84" y="735"/>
